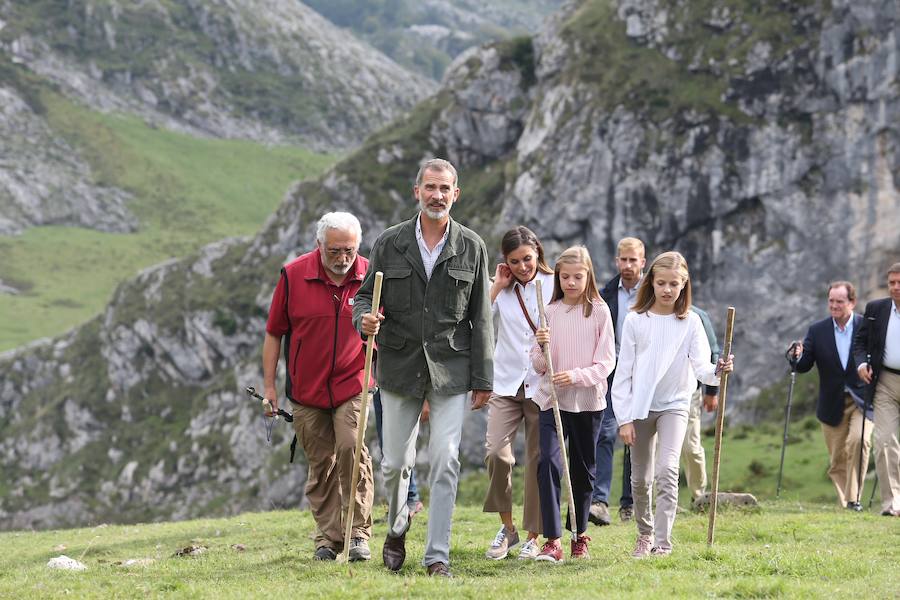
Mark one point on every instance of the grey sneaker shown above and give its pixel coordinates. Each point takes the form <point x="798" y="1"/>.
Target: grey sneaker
<point x="502" y="544"/>
<point x="626" y="513"/>
<point x="599" y="514"/>
<point x="660" y="551"/>
<point x="641" y="547"/>
<point x="529" y="550"/>
<point x="359" y="550"/>
<point x="324" y="553"/>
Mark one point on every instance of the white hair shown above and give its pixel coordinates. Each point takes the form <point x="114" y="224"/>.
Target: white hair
<point x="342" y="221"/>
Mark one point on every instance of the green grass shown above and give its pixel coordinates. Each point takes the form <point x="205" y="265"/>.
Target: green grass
<point x="784" y="549"/>
<point x="187" y="192"/>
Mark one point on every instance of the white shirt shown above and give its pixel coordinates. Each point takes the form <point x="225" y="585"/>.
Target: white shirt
<point x="843" y="339"/>
<point x="626" y="301"/>
<point x="429" y="257"/>
<point x="660" y="361"/>
<point x="892" y="340"/>
<point x="512" y="365"/>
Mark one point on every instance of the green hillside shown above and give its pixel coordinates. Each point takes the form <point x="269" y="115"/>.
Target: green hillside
<point x="783" y="550"/>
<point x="187" y="192"/>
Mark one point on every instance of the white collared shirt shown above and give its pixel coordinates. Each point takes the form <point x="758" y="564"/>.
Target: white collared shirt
<point x="626" y="301"/>
<point x="892" y="340"/>
<point x="429" y="257"/>
<point x="512" y="364"/>
<point x="843" y="339"/>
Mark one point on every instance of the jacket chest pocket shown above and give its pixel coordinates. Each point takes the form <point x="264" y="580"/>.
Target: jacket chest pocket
<point x="397" y="289"/>
<point x="460" y="290"/>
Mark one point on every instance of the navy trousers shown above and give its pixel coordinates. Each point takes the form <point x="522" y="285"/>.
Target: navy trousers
<point x="580" y="431"/>
<point x="606" y="441"/>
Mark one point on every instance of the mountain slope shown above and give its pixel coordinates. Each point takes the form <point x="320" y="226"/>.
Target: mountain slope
<point x="758" y="138"/>
<point x="269" y="70"/>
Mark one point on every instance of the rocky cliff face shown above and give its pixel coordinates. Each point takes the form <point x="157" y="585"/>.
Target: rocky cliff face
<point x="760" y="139"/>
<point x="43" y="181"/>
<point x="269" y="70"/>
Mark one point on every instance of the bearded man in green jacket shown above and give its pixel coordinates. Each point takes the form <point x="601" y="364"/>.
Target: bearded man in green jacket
<point x="435" y="342"/>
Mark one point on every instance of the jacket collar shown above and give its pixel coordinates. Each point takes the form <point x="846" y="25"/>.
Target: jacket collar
<point x="406" y="244"/>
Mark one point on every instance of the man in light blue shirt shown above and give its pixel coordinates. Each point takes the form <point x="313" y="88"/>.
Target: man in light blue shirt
<point x="840" y="405"/>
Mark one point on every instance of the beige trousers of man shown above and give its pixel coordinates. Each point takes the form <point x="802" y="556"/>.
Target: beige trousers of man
<point x="669" y="427"/>
<point x="692" y="455"/>
<point x="504" y="415"/>
<point x="843" y="451"/>
<point x="887" y="446"/>
<point x="328" y="437"/>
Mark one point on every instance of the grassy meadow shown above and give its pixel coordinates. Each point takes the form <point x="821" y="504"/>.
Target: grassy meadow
<point x="187" y="192"/>
<point x="801" y="545"/>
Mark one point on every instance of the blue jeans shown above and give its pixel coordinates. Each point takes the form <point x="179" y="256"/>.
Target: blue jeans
<point x="605" y="444"/>
<point x="413" y="494"/>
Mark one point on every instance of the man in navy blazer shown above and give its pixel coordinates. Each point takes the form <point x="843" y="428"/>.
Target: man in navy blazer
<point x="619" y="294"/>
<point x="842" y="395"/>
<point x="876" y="348"/>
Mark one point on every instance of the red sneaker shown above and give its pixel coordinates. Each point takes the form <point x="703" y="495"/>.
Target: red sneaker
<point x="579" y="547"/>
<point x="551" y="552"/>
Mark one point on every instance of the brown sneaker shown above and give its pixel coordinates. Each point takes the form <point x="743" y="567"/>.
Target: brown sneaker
<point x="439" y="569"/>
<point x="599" y="514"/>
<point x="393" y="553"/>
<point x="580" y="547"/>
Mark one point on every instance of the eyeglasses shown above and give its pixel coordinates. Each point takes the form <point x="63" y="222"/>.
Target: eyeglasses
<point x="336" y="252"/>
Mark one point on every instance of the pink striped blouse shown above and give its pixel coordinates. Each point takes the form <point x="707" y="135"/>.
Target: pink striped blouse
<point x="585" y="346"/>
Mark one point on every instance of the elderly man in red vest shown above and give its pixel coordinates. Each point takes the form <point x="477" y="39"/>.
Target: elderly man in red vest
<point x="312" y="306"/>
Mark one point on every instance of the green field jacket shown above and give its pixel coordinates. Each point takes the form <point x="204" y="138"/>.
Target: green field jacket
<point x="438" y="330"/>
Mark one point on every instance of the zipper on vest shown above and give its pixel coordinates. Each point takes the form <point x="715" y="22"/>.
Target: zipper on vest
<point x="337" y="314"/>
<point x="296" y="356"/>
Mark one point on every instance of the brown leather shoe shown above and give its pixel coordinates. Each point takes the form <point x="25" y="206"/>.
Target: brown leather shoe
<point x="439" y="569"/>
<point x="393" y="553"/>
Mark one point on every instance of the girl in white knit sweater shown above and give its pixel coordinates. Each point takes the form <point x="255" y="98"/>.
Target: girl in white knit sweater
<point x="664" y="351"/>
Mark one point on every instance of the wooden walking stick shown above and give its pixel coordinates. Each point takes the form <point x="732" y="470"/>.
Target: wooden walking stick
<point x="363" y="418"/>
<point x="567" y="480"/>
<point x="720" y="423"/>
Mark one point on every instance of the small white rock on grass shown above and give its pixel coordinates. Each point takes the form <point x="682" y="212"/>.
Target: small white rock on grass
<point x="64" y="562"/>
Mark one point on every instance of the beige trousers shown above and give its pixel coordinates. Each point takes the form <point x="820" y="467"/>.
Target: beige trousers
<point x="843" y="451"/>
<point x="887" y="446"/>
<point x="504" y="415"/>
<point x="669" y="427"/>
<point x="328" y="438"/>
<point x="692" y="456"/>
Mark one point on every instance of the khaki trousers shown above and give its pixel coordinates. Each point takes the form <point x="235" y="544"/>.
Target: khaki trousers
<point x="887" y="446"/>
<point x="504" y="415"/>
<point x="328" y="437"/>
<point x="662" y="469"/>
<point x="843" y="451"/>
<point x="692" y="456"/>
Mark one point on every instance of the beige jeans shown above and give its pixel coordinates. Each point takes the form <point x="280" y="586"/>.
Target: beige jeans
<point x="887" y="446"/>
<point x="842" y="441"/>
<point x="692" y="456"/>
<point x="669" y="427"/>
<point x="328" y="438"/>
<point x="504" y="415"/>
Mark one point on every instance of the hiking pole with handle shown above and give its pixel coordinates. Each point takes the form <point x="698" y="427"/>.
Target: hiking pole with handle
<point x="793" y="360"/>
<point x="363" y="418"/>
<point x="564" y="455"/>
<point x="862" y="439"/>
<point x="720" y="423"/>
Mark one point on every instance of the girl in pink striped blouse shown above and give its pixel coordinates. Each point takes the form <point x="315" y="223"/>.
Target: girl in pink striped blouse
<point x="582" y="349"/>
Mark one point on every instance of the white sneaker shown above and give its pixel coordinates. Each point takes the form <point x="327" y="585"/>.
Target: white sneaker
<point x="529" y="550"/>
<point x="502" y="544"/>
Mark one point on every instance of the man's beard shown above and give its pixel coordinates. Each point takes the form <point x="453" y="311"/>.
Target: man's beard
<point x="434" y="214"/>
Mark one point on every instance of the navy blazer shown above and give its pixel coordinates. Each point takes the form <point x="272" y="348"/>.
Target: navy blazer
<point x="869" y="339"/>
<point x="819" y="348"/>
